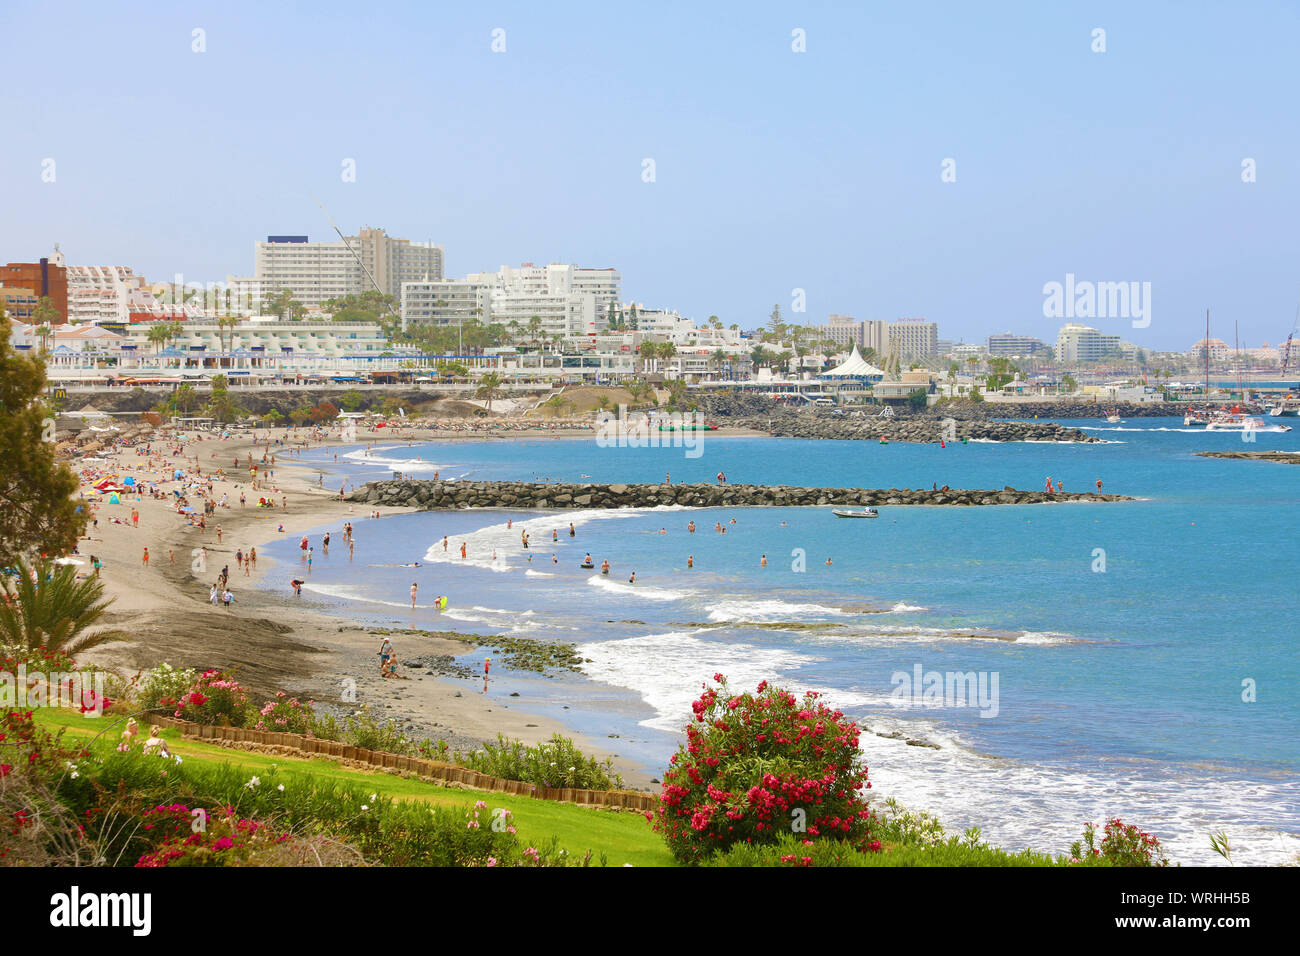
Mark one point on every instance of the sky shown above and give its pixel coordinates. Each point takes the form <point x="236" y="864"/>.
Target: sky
<point x="935" y="160"/>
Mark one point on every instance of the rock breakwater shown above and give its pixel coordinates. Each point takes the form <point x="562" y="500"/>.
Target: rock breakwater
<point x="448" y="495"/>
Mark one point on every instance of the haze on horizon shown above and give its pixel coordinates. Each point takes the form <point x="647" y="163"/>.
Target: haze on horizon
<point x="774" y="170"/>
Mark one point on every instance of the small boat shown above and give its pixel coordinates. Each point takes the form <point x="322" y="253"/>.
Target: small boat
<point x="587" y="566"/>
<point x="1112" y="416"/>
<point x="864" y="513"/>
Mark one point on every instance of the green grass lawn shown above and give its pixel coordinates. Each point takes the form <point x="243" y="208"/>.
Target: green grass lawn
<point x="623" y="836"/>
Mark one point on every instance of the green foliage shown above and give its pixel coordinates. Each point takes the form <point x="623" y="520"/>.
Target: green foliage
<point x="163" y="686"/>
<point x="45" y="606"/>
<point x="916" y="398"/>
<point x="1121" y="845"/>
<point x="38" y="514"/>
<point x="557" y="763"/>
<point x="351" y="400"/>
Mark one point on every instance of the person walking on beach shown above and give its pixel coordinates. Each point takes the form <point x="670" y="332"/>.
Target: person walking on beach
<point x="414" y="588"/>
<point x="218" y="534"/>
<point x="252" y="556"/>
<point x="444" y="544"/>
<point x="351" y="544"/>
<point x="171" y="557"/>
<point x="464" y="549"/>
<point x="239" y="559"/>
<point x="487" y="667"/>
<point x="145" y="559"/>
<point x="385" y="652"/>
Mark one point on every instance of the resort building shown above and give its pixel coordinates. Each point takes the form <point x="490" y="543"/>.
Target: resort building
<point x="46" y="278"/>
<point x="1080" y="343"/>
<point x="914" y="339"/>
<point x="317" y="271"/>
<point x="1007" y="344"/>
<point x="848" y="332"/>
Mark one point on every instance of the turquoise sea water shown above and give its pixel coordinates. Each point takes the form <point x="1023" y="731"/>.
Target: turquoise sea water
<point x="1122" y="636"/>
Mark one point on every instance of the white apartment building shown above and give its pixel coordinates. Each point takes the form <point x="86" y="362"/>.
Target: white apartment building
<point x="914" y="339"/>
<point x="445" y="302"/>
<point x="317" y="271"/>
<point x="267" y="336"/>
<point x="1081" y="343"/>
<point x="1219" y="350"/>
<point x="568" y="300"/>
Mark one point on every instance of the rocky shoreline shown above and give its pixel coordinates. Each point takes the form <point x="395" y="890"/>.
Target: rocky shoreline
<point x="448" y="495"/>
<point x="1285" y="458"/>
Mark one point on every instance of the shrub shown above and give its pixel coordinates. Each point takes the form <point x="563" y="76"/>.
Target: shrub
<point x="757" y="765"/>
<point x="215" y="698"/>
<point x="1121" y="845"/>
<point x="284" y="715"/>
<point x="164" y="686"/>
<point x="557" y="763"/>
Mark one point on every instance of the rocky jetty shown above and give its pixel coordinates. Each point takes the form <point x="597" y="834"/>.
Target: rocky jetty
<point x="1285" y="457"/>
<point x="447" y="495"/>
<point x="907" y="428"/>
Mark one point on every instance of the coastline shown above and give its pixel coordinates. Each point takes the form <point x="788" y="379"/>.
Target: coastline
<point x="276" y="642"/>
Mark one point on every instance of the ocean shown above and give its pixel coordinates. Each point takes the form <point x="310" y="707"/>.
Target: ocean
<point x="1085" y="661"/>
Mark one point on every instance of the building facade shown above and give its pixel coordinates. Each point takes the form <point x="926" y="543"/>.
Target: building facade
<point x="1006" y="344"/>
<point x="46" y="278"/>
<point x="317" y="271"/>
<point x="914" y="339"/>
<point x="1081" y="343"/>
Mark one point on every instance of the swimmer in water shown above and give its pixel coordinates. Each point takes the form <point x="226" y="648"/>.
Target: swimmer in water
<point x="828" y="561"/>
<point x="414" y="587"/>
<point x="572" y="532"/>
<point x="632" y="578"/>
<point x="554" y="560"/>
<point x="604" y="566"/>
<point x="763" y="562"/>
<point x="587" y="562"/>
<point x="690" y="560"/>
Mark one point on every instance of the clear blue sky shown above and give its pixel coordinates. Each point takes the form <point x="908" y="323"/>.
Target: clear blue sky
<point x="775" y="170"/>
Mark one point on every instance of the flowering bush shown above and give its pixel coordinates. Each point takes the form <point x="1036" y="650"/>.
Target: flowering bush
<point x="215" y="698"/>
<point x="35" y="658"/>
<point x="163" y="686"/>
<point x="1121" y="845"/>
<point x="284" y="715"/>
<point x="756" y="766"/>
<point x="225" y="838"/>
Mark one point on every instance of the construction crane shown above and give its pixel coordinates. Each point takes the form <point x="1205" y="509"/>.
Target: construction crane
<point x="1290" y="342"/>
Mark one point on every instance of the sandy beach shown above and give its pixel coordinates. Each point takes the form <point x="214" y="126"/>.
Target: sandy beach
<point x="272" y="639"/>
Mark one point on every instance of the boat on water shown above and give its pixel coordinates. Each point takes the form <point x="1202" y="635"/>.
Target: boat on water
<point x="1235" y="421"/>
<point x="849" y="513"/>
<point x="1112" y="416"/>
<point x="1286" y="408"/>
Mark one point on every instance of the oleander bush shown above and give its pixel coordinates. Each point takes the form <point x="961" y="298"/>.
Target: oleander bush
<point x="1122" y="844"/>
<point x="216" y="698"/>
<point x="163" y="686"/>
<point x="284" y="714"/>
<point x="756" y="766"/>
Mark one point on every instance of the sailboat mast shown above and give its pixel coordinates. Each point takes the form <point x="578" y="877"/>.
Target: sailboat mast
<point x="1207" y="358"/>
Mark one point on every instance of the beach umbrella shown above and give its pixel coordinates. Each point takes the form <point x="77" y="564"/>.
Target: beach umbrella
<point x="113" y="499"/>
<point x="128" y="480"/>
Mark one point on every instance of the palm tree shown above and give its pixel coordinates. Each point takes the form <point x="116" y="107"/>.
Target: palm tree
<point x="648" y="352"/>
<point x="489" y="387"/>
<point x="47" y="607"/>
<point x="554" y="403"/>
<point x="226" y="327"/>
<point x="157" y="334"/>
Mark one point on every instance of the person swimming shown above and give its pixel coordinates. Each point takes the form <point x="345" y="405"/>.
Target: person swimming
<point x="604" y="566"/>
<point x="690" y="560"/>
<point x="632" y="578"/>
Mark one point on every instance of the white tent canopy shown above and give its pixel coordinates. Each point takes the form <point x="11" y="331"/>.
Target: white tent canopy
<point x="855" y="366"/>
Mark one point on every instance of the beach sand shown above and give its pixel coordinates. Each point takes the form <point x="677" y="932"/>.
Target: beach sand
<point x="271" y="639"/>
